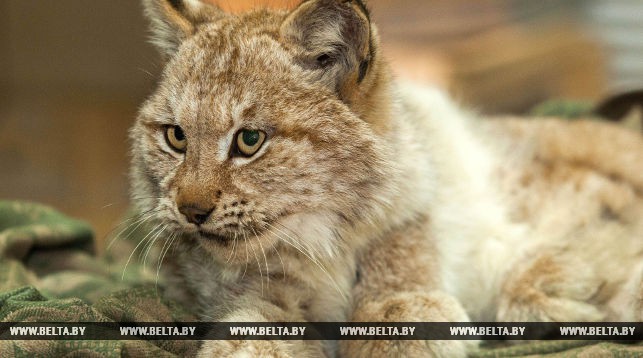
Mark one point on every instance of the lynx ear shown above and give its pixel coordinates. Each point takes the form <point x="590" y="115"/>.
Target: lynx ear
<point x="334" y="37"/>
<point x="172" y="21"/>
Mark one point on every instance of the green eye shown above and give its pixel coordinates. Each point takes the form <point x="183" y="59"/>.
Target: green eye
<point x="249" y="141"/>
<point x="175" y="138"/>
<point x="250" y="138"/>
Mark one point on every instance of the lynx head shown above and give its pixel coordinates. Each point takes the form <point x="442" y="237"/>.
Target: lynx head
<point x="265" y="127"/>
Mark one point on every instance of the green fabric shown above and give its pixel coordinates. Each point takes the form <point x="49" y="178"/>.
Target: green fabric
<point x="48" y="272"/>
<point x="563" y="109"/>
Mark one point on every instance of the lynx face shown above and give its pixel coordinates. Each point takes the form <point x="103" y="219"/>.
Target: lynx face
<point x="252" y="136"/>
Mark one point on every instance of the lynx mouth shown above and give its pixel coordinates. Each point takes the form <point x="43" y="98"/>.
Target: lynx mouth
<point x="215" y="237"/>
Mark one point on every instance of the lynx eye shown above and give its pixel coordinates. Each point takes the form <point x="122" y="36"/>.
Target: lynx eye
<point x="249" y="141"/>
<point x="175" y="138"/>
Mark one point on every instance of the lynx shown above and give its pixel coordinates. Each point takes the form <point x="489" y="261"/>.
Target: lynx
<point x="298" y="181"/>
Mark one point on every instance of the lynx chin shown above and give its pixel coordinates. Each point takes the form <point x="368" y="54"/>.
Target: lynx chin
<point x="296" y="180"/>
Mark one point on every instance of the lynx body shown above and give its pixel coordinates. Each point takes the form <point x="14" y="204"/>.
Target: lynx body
<point x="299" y="182"/>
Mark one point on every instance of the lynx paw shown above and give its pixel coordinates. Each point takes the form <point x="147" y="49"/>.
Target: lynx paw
<point x="550" y="290"/>
<point x="410" y="307"/>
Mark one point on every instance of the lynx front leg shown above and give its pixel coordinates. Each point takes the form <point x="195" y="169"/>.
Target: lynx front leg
<point x="255" y="309"/>
<point x="398" y="282"/>
<point x="627" y="304"/>
<point x="249" y="348"/>
<point x="552" y="287"/>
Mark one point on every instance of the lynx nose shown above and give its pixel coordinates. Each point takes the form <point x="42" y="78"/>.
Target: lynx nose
<point x="194" y="214"/>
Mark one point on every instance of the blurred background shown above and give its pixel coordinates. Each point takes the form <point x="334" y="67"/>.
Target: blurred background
<point x="73" y="73"/>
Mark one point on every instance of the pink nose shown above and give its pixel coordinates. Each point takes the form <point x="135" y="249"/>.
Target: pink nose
<point x="195" y="215"/>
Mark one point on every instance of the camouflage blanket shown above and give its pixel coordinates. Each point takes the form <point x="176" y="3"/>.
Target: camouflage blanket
<point x="49" y="273"/>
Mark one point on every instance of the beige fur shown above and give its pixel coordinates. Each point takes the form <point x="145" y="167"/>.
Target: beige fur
<point x="370" y="200"/>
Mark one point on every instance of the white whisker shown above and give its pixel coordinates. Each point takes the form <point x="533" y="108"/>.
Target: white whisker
<point x="245" y="241"/>
<point x="258" y="264"/>
<point x="234" y="244"/>
<point x="314" y="252"/>
<point x="313" y="260"/>
<point x="139" y="219"/>
<point x="151" y="244"/>
<point x="265" y="259"/>
<point x="135" y="248"/>
<point x="206" y="316"/>
<point x="283" y="267"/>
<point x="164" y="251"/>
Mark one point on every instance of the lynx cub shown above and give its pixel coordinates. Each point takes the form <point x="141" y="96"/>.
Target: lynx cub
<point x="307" y="185"/>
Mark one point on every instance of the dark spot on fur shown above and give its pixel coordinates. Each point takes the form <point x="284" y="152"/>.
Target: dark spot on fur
<point x="235" y="204"/>
<point x="393" y="310"/>
<point x="608" y="214"/>
<point x="240" y="215"/>
<point x="176" y="4"/>
<point x="305" y="306"/>
<point x="345" y="219"/>
<point x="526" y="180"/>
<point x="218" y="194"/>
<point x="243" y="202"/>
